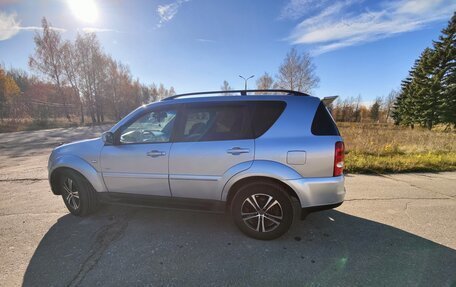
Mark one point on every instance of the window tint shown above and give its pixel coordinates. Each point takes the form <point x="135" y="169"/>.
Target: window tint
<point x="214" y="122"/>
<point x="153" y="127"/>
<point x="323" y="124"/>
<point x="265" y="115"/>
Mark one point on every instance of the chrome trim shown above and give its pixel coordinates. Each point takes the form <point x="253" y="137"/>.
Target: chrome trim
<point x="194" y="177"/>
<point x="136" y="175"/>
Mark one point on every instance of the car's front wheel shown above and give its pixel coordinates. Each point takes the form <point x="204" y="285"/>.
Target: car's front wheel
<point x="78" y="194"/>
<point x="262" y="210"/>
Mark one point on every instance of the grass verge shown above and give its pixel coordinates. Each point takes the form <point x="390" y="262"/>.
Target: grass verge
<point x="394" y="163"/>
<point x="383" y="148"/>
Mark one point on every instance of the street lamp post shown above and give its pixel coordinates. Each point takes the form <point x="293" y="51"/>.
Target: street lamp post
<point x="245" y="81"/>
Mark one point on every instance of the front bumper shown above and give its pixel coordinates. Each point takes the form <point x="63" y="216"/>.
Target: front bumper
<point x="313" y="192"/>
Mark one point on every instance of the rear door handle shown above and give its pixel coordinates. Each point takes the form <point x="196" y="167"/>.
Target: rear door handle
<point x="238" y="150"/>
<point x="156" y="153"/>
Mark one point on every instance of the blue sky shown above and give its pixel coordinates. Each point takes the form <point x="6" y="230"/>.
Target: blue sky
<point x="359" y="47"/>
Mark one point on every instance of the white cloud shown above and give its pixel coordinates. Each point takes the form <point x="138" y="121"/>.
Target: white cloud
<point x="97" y="30"/>
<point x="168" y="11"/>
<point x="340" y="24"/>
<point x="298" y="8"/>
<point x="10" y="26"/>
<point x="202" y="40"/>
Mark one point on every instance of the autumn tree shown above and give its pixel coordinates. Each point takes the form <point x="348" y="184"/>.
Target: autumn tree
<point x="297" y="72"/>
<point x="71" y="69"/>
<point x="48" y="59"/>
<point x="92" y="74"/>
<point x="8" y="90"/>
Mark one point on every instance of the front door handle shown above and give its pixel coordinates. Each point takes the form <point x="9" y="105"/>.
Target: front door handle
<point x="156" y="153"/>
<point x="238" y="150"/>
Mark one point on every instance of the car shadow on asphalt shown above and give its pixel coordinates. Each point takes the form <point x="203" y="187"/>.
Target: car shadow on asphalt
<point x="120" y="246"/>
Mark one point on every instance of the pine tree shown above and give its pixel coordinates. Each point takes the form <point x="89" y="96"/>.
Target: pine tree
<point x="445" y="49"/>
<point x="426" y="88"/>
<point x="428" y="95"/>
<point x="375" y="110"/>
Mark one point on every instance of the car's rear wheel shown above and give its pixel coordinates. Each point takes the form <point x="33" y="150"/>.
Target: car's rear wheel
<point x="262" y="210"/>
<point x="78" y="194"/>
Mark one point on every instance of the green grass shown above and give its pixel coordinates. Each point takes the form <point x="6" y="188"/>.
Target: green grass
<point x="417" y="162"/>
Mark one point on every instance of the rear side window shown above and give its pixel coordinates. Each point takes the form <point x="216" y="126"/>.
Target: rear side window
<point x="323" y="124"/>
<point x="265" y="115"/>
<point x="209" y="122"/>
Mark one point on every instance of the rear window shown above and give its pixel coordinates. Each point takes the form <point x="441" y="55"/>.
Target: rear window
<point x="323" y="124"/>
<point x="265" y="115"/>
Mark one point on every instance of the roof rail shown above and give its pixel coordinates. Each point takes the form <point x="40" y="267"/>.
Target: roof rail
<point x="242" y="92"/>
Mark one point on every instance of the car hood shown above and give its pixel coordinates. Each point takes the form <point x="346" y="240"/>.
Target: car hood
<point x="79" y="146"/>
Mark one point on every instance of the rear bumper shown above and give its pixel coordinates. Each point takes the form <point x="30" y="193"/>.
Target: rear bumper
<point x="319" y="192"/>
<point x="307" y="210"/>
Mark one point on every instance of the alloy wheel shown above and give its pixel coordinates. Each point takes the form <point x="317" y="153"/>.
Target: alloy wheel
<point x="71" y="193"/>
<point x="262" y="212"/>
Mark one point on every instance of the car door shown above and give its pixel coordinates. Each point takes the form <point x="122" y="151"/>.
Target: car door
<point x="138" y="162"/>
<point x="211" y="138"/>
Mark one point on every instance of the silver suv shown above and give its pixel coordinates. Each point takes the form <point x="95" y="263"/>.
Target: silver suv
<point x="258" y="155"/>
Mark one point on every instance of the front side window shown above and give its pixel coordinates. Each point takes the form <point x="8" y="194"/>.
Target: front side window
<point x="215" y="123"/>
<point x="152" y="127"/>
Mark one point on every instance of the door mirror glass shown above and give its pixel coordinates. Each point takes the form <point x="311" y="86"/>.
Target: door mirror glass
<point x="108" y="138"/>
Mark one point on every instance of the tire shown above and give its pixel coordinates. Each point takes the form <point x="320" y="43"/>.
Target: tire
<point x="83" y="198"/>
<point x="262" y="210"/>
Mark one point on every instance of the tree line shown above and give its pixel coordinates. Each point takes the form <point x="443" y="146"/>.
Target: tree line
<point x="428" y="94"/>
<point x="352" y="109"/>
<point x="73" y="79"/>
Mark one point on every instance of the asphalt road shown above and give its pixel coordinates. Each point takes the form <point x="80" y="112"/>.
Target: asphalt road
<point x="397" y="230"/>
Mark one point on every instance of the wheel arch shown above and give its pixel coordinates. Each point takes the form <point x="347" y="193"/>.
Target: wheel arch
<point x="80" y="166"/>
<point x="249" y="179"/>
<point x="261" y="170"/>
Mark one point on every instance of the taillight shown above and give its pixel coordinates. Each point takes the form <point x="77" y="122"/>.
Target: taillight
<point x="339" y="159"/>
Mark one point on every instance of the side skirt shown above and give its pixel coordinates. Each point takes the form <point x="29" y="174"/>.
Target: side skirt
<point x="163" y="202"/>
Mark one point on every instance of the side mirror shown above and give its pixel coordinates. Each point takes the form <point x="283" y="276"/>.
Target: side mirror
<point x="108" y="138"/>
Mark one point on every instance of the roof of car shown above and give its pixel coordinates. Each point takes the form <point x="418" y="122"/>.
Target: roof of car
<point x="278" y="92"/>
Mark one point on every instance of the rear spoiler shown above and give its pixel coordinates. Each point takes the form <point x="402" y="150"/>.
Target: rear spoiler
<point x="328" y="100"/>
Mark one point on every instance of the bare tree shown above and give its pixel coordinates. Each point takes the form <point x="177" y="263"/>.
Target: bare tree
<point x="225" y="86"/>
<point x="389" y="103"/>
<point x="157" y="94"/>
<point x="113" y="81"/>
<point x="297" y="72"/>
<point x="153" y="92"/>
<point x="171" y="91"/>
<point x="162" y="92"/>
<point x="48" y="59"/>
<point x="70" y="66"/>
<point x="92" y="74"/>
<point x="357" y="111"/>
<point x="265" y="82"/>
